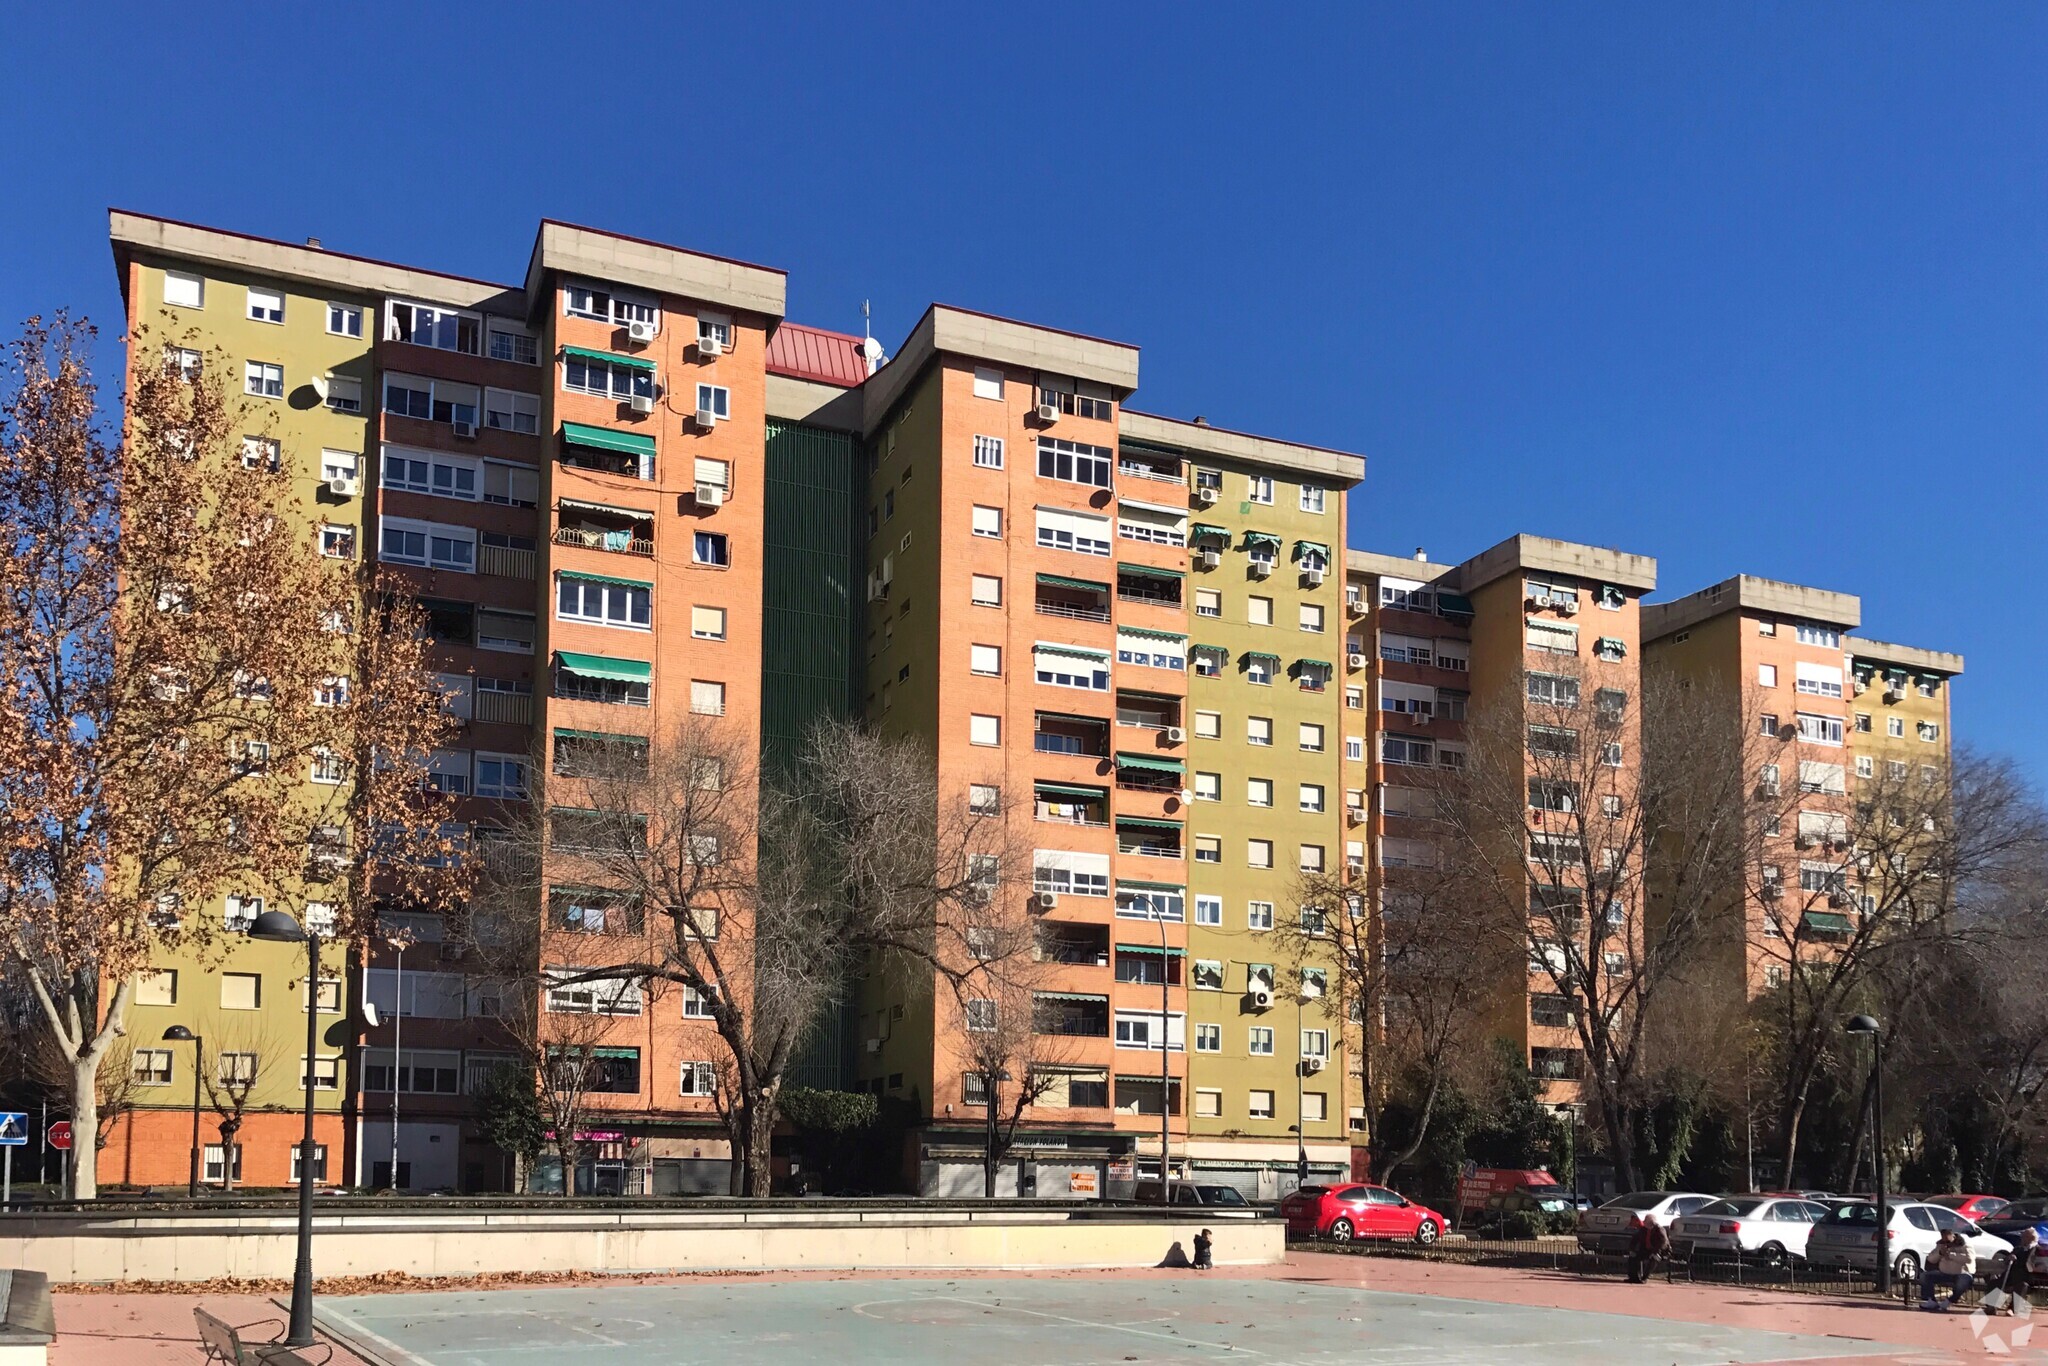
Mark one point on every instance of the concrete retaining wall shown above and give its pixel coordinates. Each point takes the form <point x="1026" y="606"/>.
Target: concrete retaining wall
<point x="73" y="1248"/>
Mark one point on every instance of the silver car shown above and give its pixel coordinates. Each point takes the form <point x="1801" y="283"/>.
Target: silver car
<point x="1613" y="1227"/>
<point x="1769" y="1228"/>
<point x="1848" y="1238"/>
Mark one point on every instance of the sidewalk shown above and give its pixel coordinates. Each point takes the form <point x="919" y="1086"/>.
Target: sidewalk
<point x="156" y="1330"/>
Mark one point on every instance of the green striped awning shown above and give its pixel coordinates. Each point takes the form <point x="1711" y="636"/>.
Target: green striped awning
<point x="1151" y="764"/>
<point x="1221" y="533"/>
<point x="1223" y="650"/>
<point x="1124" y="884"/>
<point x="1607" y="645"/>
<point x="1454" y="604"/>
<point x="1261" y="654"/>
<point x="564" y="733"/>
<point x="1252" y="538"/>
<point x="1060" y="581"/>
<point x="1152" y="949"/>
<point x="1304" y="547"/>
<point x="1151" y="571"/>
<point x="1147" y="822"/>
<point x="1072" y="790"/>
<point x="1073" y="716"/>
<point x="1072" y="652"/>
<point x="1826" y="922"/>
<point x="1080" y="996"/>
<point x="1150" y="634"/>
<point x="605" y="439"/>
<point x="607" y="358"/>
<point x="1313" y="664"/>
<point x="623" y="1053"/>
<point x="600" y="666"/>
<point x="605" y="578"/>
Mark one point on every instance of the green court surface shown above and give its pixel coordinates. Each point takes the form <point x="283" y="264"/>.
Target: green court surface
<point x="1037" y="1322"/>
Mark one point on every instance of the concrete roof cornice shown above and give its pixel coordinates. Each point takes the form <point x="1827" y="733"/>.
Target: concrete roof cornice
<point x="947" y="330"/>
<point x="1372" y="562"/>
<point x="1544" y="555"/>
<point x="593" y="254"/>
<point x="817" y="405"/>
<point x="133" y="233"/>
<point x="1747" y="593"/>
<point x="1903" y="656"/>
<point x="1201" y="439"/>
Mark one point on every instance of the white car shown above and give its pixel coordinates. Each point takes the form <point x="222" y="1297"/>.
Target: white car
<point x="1612" y="1228"/>
<point x="1772" y="1229"/>
<point x="1847" y="1238"/>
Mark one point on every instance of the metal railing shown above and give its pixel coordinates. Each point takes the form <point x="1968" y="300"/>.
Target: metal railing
<point x="505" y="562"/>
<point x="1061" y="609"/>
<point x="515" y="709"/>
<point x="619" y="542"/>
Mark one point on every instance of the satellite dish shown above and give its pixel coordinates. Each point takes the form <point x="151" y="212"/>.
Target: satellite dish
<point x="872" y="349"/>
<point x="320" y="387"/>
<point x="370" y="1016"/>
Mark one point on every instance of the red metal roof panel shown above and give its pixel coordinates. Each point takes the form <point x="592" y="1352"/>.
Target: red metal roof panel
<point x="812" y="353"/>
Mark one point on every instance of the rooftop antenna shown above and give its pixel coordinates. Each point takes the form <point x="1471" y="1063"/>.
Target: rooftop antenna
<point x="870" y="349"/>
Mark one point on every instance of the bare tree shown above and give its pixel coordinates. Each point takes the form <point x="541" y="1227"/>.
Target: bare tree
<point x="172" y="663"/>
<point x="1579" y="779"/>
<point x="244" y="1058"/>
<point x="759" y="899"/>
<point x="994" y="995"/>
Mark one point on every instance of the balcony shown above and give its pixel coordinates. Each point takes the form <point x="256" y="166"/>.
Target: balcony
<point x="1143" y="462"/>
<point x="1148" y="838"/>
<point x="601" y="449"/>
<point x="1084" y="737"/>
<point x="1066" y="804"/>
<point x="1147" y="712"/>
<point x="1083" y="946"/>
<point x="1151" y="587"/>
<point x="507" y="561"/>
<point x="1074" y="599"/>
<point x="591" y="526"/>
<point x="1070" y="1015"/>
<point x="504" y="708"/>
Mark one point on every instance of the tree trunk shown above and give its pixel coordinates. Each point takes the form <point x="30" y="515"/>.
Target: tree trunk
<point x="1788" y="1139"/>
<point x="1385" y="1176"/>
<point x="564" y="1152"/>
<point x="88" y="1048"/>
<point x="990" y="1155"/>
<point x="85" y="1119"/>
<point x="760" y="1135"/>
<point x="1620" y="1143"/>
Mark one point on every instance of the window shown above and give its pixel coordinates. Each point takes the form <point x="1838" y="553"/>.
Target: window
<point x="216" y="1161"/>
<point x="986" y="590"/>
<point x="1354" y="748"/>
<point x="184" y="291"/>
<point x="1311" y="618"/>
<point x="1060" y="529"/>
<point x="1315" y="1107"/>
<point x="1258" y="730"/>
<point x="337" y="542"/>
<point x="443" y="329"/>
<point x="986" y="660"/>
<point x="1767" y="675"/>
<point x="1312" y="797"/>
<point x="1258" y="669"/>
<point x="326" y="1072"/>
<point x="1142" y="1029"/>
<point x="988" y="383"/>
<point x="1811" y="633"/>
<point x="984" y="799"/>
<point x="157" y="987"/>
<point x="506" y="411"/>
<point x="1258" y="488"/>
<point x="151" y="1066"/>
<point x="1260" y="1041"/>
<point x="442" y="476"/>
<point x="261" y="379"/>
<point x="1064" y="667"/>
<point x="1312" y="737"/>
<point x="512" y="485"/>
<point x="1258" y="791"/>
<point x="1208" y="602"/>
<point x="509" y="341"/>
<point x="985" y="730"/>
<point x="1895" y="727"/>
<point x="1820" y="730"/>
<point x="1311" y="859"/>
<point x="501" y="775"/>
<point x="1399" y="649"/>
<point x="1866" y="767"/>
<point x="1258" y="853"/>
<point x="344" y="395"/>
<point x="1549" y="636"/>
<point x="707" y="698"/>
<point x="707" y="623"/>
<point x="1610" y="754"/>
<point x="1208" y="725"/>
<point x="988" y="452"/>
<point x="1315" y="1043"/>
<point x="334" y="464"/>
<point x="1863" y="723"/>
<point x="1208" y="787"/>
<point x="1208" y="849"/>
<point x="1818" y="680"/>
<point x="988" y="522"/>
<point x="586" y="374"/>
<point x="1928" y="731"/>
<point x="1258" y="611"/>
<point x="265" y="305"/>
<point x="603" y="602"/>
<point x="1311" y="498"/>
<point x="1074" y="463"/>
<point x="328" y="768"/>
<point x="981" y="1017"/>
<point x="1208" y="911"/>
<point x="1258" y="915"/>
<point x="714" y="401"/>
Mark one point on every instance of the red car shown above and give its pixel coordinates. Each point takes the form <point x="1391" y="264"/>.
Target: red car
<point x="1341" y="1213"/>
<point x="1971" y="1207"/>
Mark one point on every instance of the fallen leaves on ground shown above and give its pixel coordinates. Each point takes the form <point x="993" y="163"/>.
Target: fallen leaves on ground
<point x="381" y="1283"/>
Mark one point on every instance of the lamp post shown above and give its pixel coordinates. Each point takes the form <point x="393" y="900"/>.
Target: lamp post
<point x="180" y="1034"/>
<point x="1300" y="1120"/>
<point x="1165" y="1063"/>
<point x="279" y="928"/>
<point x="1865" y="1024"/>
<point x="1570" y="1114"/>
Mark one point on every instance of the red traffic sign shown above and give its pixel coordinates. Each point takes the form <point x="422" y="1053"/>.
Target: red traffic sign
<point x="60" y="1135"/>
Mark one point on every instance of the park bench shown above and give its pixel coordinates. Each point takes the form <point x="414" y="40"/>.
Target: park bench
<point x="223" y="1343"/>
<point x="27" y="1325"/>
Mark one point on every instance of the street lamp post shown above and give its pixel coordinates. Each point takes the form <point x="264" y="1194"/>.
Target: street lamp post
<point x="279" y="928"/>
<point x="180" y="1034"/>
<point x="1865" y="1024"/>
<point x="1165" y="1064"/>
<point x="1300" y="1120"/>
<point x="1570" y="1114"/>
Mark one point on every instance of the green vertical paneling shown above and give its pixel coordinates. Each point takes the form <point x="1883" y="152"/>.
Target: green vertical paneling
<point x="811" y="602"/>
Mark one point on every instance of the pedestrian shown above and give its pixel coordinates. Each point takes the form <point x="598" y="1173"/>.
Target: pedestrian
<point x="1204" y="1259"/>
<point x="1651" y="1245"/>
<point x="1948" y="1264"/>
<point x="2013" y="1285"/>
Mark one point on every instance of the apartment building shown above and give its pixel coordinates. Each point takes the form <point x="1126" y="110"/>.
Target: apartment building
<point x="1035" y="552"/>
<point x="1898" y="710"/>
<point x="1773" y="652"/>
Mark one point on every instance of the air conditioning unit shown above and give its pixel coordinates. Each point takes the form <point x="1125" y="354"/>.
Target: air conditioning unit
<point x="1773" y="890"/>
<point x="640" y="332"/>
<point x="1044" y="901"/>
<point x="1206" y="497"/>
<point x="1262" y="569"/>
<point x="1262" y="997"/>
<point x="1355" y="867"/>
<point x="453" y="953"/>
<point x="1174" y="735"/>
<point x="1839" y="844"/>
<point x="1210" y="559"/>
<point x="874" y="1045"/>
<point x="1570" y="607"/>
<point x="1048" y="413"/>
<point x="710" y="495"/>
<point x="1805" y="841"/>
<point x="709" y="346"/>
<point x="1535" y="603"/>
<point x="1841" y="901"/>
<point x="706" y="419"/>
<point x="1312" y="1065"/>
<point x="1419" y="718"/>
<point x="1313" y="577"/>
<point x="1766" y="789"/>
<point x="1355" y="660"/>
<point x="643" y="403"/>
<point x="344" y="486"/>
<point x="465" y="430"/>
<point x="1354" y="815"/>
<point x="1354" y="603"/>
<point x="1894" y="692"/>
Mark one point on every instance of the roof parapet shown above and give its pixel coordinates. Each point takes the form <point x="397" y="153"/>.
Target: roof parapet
<point x="1903" y="656"/>
<point x="1199" y="438"/>
<point x="1545" y="555"/>
<point x="594" y="254"/>
<point x="1748" y="593"/>
<point x="1376" y="564"/>
<point x="947" y="330"/>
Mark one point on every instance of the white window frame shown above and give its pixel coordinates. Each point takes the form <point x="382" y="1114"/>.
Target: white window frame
<point x="265" y="306"/>
<point x="988" y="452"/>
<point x="176" y="296"/>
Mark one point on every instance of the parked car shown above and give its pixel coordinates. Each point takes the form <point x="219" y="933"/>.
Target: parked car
<point x="1975" y="1208"/>
<point x="1762" y="1226"/>
<point x="1848" y="1238"/>
<point x="1342" y="1213"/>
<point x="1612" y="1227"/>
<point x="1189" y="1193"/>
<point x="2022" y="1213"/>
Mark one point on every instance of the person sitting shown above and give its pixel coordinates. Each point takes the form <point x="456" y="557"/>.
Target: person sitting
<point x="1651" y="1246"/>
<point x="1948" y="1264"/>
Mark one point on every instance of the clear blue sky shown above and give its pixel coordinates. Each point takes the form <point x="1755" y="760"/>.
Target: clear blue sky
<point x="1748" y="288"/>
